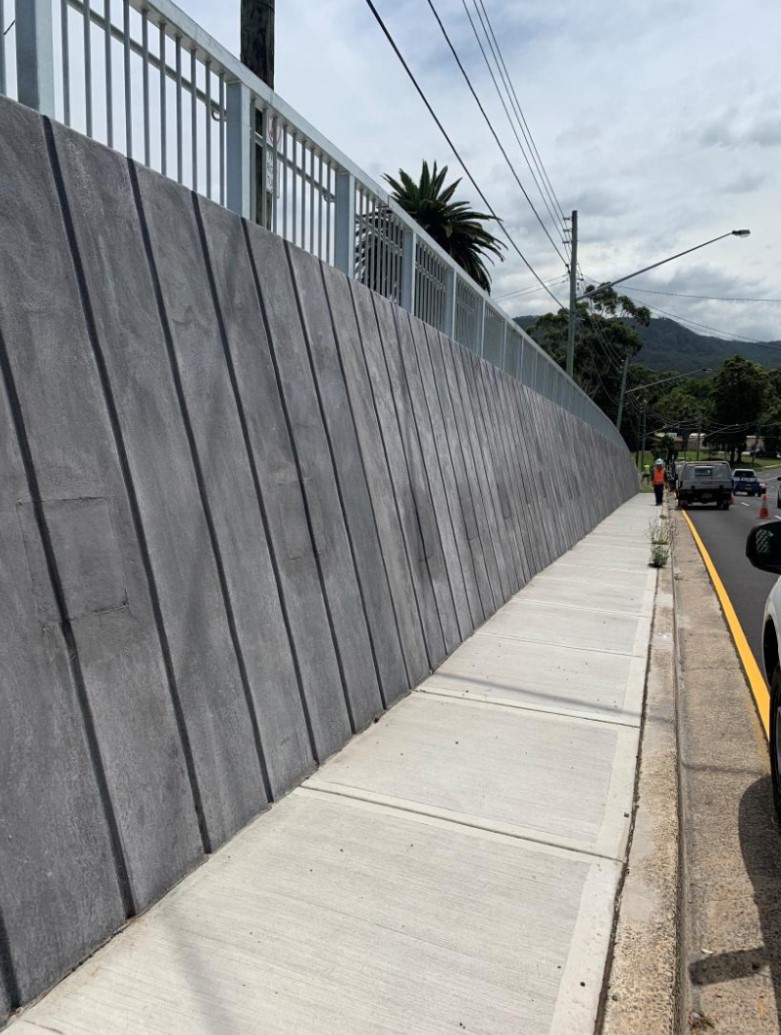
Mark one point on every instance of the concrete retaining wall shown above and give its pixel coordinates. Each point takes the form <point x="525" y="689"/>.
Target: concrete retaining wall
<point x="246" y="505"/>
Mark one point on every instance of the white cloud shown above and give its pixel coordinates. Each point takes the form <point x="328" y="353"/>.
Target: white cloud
<point x="659" y="123"/>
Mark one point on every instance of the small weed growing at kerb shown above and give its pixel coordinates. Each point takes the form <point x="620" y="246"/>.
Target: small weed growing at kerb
<point x="659" y="534"/>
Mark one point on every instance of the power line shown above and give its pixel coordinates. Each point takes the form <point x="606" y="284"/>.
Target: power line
<point x="530" y="290"/>
<point x="452" y="146"/>
<point x="491" y="127"/>
<point x="705" y="298"/>
<point x="514" y="97"/>
<point x="705" y="326"/>
<point x="507" y="112"/>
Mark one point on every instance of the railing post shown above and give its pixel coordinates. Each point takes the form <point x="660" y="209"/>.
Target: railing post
<point x="450" y="303"/>
<point x="503" y="360"/>
<point x="344" y="224"/>
<point x="481" y="314"/>
<point x="35" y="55"/>
<point x="239" y="149"/>
<point x="408" y="243"/>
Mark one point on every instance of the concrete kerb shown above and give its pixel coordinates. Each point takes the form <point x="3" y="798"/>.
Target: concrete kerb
<point x="642" y="980"/>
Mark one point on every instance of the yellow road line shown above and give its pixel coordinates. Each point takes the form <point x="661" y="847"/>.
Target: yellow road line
<point x="756" y="681"/>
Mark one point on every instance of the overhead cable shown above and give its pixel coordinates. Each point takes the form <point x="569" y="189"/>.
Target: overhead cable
<point x="493" y="43"/>
<point x="490" y="125"/>
<point x="553" y="216"/>
<point x="705" y="298"/>
<point x="453" y="148"/>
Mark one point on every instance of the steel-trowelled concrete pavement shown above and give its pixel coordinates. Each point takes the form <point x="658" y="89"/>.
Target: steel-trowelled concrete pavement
<point x="453" y="868"/>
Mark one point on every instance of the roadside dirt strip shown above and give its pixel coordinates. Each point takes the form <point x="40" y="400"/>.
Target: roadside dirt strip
<point x="730" y="950"/>
<point x="641" y="989"/>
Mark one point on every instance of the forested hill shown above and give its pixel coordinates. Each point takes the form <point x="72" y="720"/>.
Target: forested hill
<point x="668" y="345"/>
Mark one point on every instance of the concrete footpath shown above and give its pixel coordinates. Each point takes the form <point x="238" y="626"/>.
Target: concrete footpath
<point x="453" y="869"/>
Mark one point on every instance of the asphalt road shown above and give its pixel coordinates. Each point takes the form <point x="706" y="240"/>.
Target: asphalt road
<point x="724" y="534"/>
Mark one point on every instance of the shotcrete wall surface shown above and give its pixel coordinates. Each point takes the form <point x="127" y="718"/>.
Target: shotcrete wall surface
<point x="246" y="505"/>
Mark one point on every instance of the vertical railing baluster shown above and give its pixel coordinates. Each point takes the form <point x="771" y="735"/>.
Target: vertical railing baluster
<point x="163" y="99"/>
<point x="86" y="14"/>
<point x="179" y="144"/>
<point x="240" y="145"/>
<point x="284" y="181"/>
<point x="109" y="73"/>
<point x="312" y="199"/>
<point x="66" y="77"/>
<point x="194" y="115"/>
<point x="145" y="81"/>
<point x="128" y="109"/>
<point x="344" y="223"/>
<point x="2" y="46"/>
<point x="208" y="93"/>
<point x="223" y="117"/>
<point x="275" y="172"/>
<point x="321" y="199"/>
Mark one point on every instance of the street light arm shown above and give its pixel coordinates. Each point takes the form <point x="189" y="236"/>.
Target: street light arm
<point x="653" y="266"/>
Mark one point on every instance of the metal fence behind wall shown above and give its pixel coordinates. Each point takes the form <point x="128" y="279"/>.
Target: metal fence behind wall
<point x="143" y="78"/>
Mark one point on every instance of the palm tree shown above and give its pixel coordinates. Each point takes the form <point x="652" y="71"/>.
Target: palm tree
<point x="455" y="227"/>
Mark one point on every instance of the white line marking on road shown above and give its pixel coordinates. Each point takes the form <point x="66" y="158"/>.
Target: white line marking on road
<point x="743" y="504"/>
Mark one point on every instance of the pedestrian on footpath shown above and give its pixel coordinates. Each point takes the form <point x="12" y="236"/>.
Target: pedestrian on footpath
<point x="657" y="480"/>
<point x="646" y="475"/>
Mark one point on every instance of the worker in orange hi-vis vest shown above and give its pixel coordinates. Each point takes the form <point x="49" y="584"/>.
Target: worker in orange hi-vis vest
<point x="657" y="480"/>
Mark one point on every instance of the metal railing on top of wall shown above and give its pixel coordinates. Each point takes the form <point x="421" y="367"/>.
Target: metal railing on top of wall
<point x="145" y="79"/>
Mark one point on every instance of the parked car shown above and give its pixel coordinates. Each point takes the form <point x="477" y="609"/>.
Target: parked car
<point x="744" y="480"/>
<point x="709" y="482"/>
<point x="763" y="549"/>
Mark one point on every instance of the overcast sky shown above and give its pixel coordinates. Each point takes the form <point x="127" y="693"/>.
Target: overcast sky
<point x="660" y="123"/>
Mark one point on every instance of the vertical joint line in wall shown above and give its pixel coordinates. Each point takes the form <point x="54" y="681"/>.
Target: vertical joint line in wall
<point x="366" y="479"/>
<point x="256" y="734"/>
<point x="300" y="474"/>
<point x="127" y="479"/>
<point x="337" y="479"/>
<point x="409" y="475"/>
<point x="256" y="486"/>
<point x="8" y="978"/>
<point x="391" y="483"/>
<point x="69" y="638"/>
<point x="186" y="421"/>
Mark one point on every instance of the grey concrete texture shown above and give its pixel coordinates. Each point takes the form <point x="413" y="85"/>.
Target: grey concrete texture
<point x="249" y="505"/>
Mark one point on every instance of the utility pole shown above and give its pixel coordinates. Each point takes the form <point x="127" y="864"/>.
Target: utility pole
<point x="257" y="38"/>
<point x="699" y="434"/>
<point x="573" y="294"/>
<point x="642" y="441"/>
<point x="257" y="53"/>
<point x="622" y="392"/>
